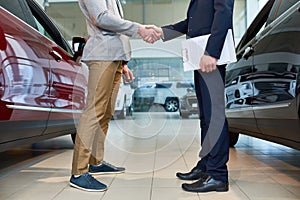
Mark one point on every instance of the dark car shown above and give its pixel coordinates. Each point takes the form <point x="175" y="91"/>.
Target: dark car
<point x="42" y="87"/>
<point x="188" y="104"/>
<point x="262" y="87"/>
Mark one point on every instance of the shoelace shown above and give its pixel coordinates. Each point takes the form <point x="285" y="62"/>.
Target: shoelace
<point x="90" y="178"/>
<point x="110" y="165"/>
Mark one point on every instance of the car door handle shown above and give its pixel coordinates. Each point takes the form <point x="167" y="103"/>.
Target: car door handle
<point x="248" y="52"/>
<point x="55" y="55"/>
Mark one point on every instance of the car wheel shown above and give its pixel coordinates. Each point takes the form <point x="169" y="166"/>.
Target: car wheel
<point x="233" y="139"/>
<point x="171" y="104"/>
<point x="129" y="111"/>
<point x="184" y="115"/>
<point x="123" y="113"/>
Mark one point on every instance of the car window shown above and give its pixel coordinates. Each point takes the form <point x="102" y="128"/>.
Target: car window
<point x="46" y="27"/>
<point x="184" y="85"/>
<point x="19" y="9"/>
<point x="256" y="26"/>
<point x="163" y="85"/>
<point x="42" y="30"/>
<point x="283" y="37"/>
<point x="280" y="7"/>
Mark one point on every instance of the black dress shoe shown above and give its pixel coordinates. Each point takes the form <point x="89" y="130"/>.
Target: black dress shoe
<point x="207" y="185"/>
<point x="194" y="174"/>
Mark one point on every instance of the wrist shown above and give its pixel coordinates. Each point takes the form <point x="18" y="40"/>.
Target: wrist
<point x="140" y="29"/>
<point x="162" y="33"/>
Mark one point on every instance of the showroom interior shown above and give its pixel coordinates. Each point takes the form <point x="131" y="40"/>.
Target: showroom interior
<point x="156" y="132"/>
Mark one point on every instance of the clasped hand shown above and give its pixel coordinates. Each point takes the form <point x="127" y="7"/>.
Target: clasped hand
<point x="150" y="33"/>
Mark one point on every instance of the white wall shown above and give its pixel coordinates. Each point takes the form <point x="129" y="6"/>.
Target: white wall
<point x="252" y="9"/>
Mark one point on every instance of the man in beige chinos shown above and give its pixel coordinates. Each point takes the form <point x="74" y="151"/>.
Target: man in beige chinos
<point x="106" y="53"/>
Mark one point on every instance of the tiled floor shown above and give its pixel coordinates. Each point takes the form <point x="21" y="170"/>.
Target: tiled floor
<point x="152" y="147"/>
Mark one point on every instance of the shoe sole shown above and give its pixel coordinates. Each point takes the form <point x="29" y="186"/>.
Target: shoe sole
<point x="187" y="179"/>
<point x="103" y="173"/>
<point x="222" y="190"/>
<point x="85" y="189"/>
<point x="209" y="190"/>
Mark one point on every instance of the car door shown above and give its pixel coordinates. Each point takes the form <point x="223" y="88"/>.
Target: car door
<point x="68" y="79"/>
<point x="276" y="75"/>
<point x="239" y="87"/>
<point x="24" y="73"/>
<point x="238" y="96"/>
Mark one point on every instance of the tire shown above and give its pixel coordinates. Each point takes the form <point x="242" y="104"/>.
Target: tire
<point x="184" y="115"/>
<point x="171" y="104"/>
<point x="233" y="138"/>
<point x="123" y="113"/>
<point x="73" y="137"/>
<point x="129" y="111"/>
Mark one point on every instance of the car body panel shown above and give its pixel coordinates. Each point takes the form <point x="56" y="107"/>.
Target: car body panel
<point x="273" y="77"/>
<point x="24" y="66"/>
<point x="42" y="90"/>
<point x="188" y="104"/>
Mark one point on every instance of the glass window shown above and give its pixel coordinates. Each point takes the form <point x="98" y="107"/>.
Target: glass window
<point x="68" y="18"/>
<point x="279" y="8"/>
<point x="147" y="70"/>
<point x="46" y="27"/>
<point x="42" y="30"/>
<point x="239" y="19"/>
<point x="19" y="9"/>
<point x="158" y="12"/>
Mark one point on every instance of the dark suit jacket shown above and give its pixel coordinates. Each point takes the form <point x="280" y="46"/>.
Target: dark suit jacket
<point x="205" y="17"/>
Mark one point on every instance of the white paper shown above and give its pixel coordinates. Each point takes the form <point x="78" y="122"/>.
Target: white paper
<point x="193" y="49"/>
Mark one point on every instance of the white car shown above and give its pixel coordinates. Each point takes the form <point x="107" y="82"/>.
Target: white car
<point x="123" y="101"/>
<point x="163" y="93"/>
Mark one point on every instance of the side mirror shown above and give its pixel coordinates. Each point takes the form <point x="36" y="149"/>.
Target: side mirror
<point x="78" y="44"/>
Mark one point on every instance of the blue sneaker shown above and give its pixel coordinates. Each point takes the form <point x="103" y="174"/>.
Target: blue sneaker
<point x="105" y="168"/>
<point x="87" y="183"/>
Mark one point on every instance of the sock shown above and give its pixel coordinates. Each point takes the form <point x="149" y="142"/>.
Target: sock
<point x="97" y="165"/>
<point x="76" y="176"/>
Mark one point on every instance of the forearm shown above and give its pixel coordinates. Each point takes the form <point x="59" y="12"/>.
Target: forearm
<point x="102" y="17"/>
<point x="173" y="31"/>
<point x="112" y="23"/>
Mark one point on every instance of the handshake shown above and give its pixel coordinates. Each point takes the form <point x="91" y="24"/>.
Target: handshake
<point x="150" y="33"/>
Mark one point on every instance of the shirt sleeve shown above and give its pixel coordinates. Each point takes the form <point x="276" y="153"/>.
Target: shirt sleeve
<point x="175" y="30"/>
<point x="101" y="17"/>
<point x="221" y="23"/>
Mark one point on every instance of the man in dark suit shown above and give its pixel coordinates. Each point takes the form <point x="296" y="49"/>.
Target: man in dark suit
<point x="208" y="17"/>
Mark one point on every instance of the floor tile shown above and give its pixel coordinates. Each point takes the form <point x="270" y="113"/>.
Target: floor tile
<point x="153" y="148"/>
<point x="127" y="193"/>
<point x="75" y="194"/>
<point x="172" y="194"/>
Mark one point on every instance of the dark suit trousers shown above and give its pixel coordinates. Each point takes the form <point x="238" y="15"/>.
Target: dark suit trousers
<point x="214" y="163"/>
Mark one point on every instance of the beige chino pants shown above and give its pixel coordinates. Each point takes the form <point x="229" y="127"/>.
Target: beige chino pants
<point x="103" y="86"/>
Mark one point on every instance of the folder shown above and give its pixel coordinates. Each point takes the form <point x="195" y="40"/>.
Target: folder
<point x="194" y="48"/>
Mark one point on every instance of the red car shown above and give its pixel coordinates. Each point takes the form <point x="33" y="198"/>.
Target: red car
<point x="42" y="86"/>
